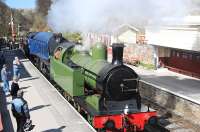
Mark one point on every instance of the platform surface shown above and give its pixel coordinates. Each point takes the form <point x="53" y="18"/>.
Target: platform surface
<point x="49" y="111"/>
<point x="177" y="84"/>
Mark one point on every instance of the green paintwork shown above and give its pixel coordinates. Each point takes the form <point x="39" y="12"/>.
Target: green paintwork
<point x="70" y="79"/>
<point x="86" y="61"/>
<point x="93" y="100"/>
<point x="99" y="52"/>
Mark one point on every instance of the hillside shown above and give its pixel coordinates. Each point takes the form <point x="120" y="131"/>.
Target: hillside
<point x="4" y="19"/>
<point x="23" y="19"/>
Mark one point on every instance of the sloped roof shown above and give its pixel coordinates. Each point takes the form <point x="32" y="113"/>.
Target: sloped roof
<point x="124" y="27"/>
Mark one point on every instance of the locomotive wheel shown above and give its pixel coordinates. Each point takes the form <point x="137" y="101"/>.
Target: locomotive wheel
<point x="71" y="102"/>
<point x="77" y="107"/>
<point x="41" y="66"/>
<point x="62" y="92"/>
<point x="101" y="130"/>
<point x="65" y="95"/>
<point x="83" y="113"/>
<point x="89" y="119"/>
<point x="37" y="63"/>
<point x="51" y="78"/>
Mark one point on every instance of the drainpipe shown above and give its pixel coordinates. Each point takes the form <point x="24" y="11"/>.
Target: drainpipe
<point x="155" y="57"/>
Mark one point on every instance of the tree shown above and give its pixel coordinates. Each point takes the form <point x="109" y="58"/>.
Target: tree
<point x="40" y="23"/>
<point x="4" y="19"/>
<point x="43" y="6"/>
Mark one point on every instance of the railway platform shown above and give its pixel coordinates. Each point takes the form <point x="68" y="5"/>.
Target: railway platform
<point x="181" y="85"/>
<point x="49" y="111"/>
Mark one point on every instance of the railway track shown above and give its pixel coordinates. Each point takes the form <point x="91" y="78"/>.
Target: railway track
<point x="171" y="120"/>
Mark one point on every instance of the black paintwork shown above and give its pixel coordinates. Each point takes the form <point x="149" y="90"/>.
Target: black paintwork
<point x="113" y="82"/>
<point x="111" y="108"/>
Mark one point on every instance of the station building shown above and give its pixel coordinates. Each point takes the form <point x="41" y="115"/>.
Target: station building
<point x="177" y="48"/>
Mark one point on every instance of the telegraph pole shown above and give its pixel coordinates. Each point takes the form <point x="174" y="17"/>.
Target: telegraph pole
<point x="18" y="29"/>
<point x="12" y="27"/>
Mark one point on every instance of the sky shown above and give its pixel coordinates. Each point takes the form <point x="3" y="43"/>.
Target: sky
<point x="27" y="4"/>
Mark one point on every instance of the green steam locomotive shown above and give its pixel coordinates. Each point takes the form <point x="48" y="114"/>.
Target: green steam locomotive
<point x="107" y="94"/>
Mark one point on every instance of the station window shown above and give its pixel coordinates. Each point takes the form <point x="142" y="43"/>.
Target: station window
<point x="198" y="57"/>
<point x="173" y="53"/>
<point x="57" y="53"/>
<point x="177" y="54"/>
<point x="184" y="56"/>
<point x="190" y="56"/>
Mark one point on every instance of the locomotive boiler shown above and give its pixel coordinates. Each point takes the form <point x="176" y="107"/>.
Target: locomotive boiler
<point x="106" y="93"/>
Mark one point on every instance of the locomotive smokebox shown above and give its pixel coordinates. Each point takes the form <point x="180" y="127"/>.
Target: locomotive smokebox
<point x="117" y="53"/>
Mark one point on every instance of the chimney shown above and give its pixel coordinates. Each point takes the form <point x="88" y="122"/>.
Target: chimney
<point x="117" y="53"/>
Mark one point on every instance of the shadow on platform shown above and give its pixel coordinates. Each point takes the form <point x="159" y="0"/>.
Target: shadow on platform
<point x="28" y="79"/>
<point x="39" y="107"/>
<point x="25" y="87"/>
<point x="60" y="129"/>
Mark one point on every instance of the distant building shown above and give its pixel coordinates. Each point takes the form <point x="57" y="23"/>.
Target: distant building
<point x="133" y="39"/>
<point x="135" y="49"/>
<point x="126" y="34"/>
<point x="123" y="34"/>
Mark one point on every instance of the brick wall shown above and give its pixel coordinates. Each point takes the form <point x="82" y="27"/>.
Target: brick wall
<point x="141" y="52"/>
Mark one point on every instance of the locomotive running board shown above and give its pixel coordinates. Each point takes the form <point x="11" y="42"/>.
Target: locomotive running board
<point x="89" y="109"/>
